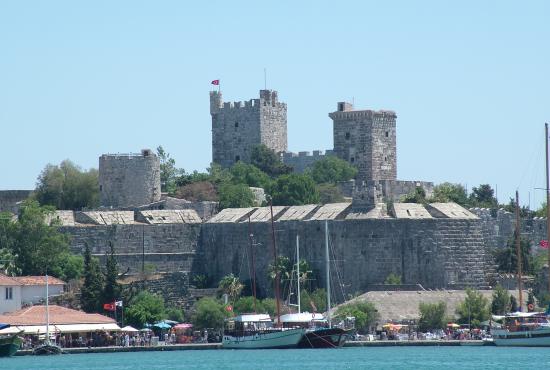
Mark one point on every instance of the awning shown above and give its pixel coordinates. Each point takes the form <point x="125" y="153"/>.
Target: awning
<point x="69" y="328"/>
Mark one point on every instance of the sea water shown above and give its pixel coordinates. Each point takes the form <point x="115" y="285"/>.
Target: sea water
<point x="301" y="359"/>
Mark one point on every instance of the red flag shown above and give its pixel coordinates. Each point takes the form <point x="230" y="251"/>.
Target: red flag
<point x="215" y="82"/>
<point x="229" y="308"/>
<point x="109" y="306"/>
<point x="543" y="244"/>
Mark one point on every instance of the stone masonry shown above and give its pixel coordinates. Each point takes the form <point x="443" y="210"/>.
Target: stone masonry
<point x="129" y="180"/>
<point x="366" y="139"/>
<point x="239" y="126"/>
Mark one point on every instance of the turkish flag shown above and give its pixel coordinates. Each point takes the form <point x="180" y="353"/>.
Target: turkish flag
<point x="229" y="308"/>
<point x="215" y="82"/>
<point x="109" y="306"/>
<point x="543" y="244"/>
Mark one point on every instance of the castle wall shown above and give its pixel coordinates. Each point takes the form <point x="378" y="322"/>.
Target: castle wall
<point x="10" y="198"/>
<point x="168" y="247"/>
<point x="442" y="253"/>
<point x="304" y="160"/>
<point x="129" y="180"/>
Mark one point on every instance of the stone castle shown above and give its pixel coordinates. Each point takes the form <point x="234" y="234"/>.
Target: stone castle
<point x="440" y="245"/>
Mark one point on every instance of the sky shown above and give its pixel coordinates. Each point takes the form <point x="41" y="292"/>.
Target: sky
<point x="469" y="80"/>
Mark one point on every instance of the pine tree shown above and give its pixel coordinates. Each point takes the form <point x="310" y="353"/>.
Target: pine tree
<point x="91" y="291"/>
<point x="111" y="292"/>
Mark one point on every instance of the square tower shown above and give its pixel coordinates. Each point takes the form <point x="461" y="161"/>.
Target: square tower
<point x="367" y="140"/>
<point x="237" y="127"/>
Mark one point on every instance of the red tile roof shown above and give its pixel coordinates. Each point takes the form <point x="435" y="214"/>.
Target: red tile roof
<point x="36" y="315"/>
<point x="6" y="280"/>
<point x="38" y="280"/>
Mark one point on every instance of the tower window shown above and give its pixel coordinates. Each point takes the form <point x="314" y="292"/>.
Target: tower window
<point x="100" y="187"/>
<point x="387" y="134"/>
<point x="352" y="159"/>
<point x="347" y="135"/>
<point x="385" y="159"/>
<point x="237" y="158"/>
<point x="237" y="125"/>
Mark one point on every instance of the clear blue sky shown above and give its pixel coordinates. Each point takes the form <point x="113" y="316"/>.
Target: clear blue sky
<point x="470" y="81"/>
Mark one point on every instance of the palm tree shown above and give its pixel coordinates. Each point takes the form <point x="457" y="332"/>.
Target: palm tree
<point x="232" y="286"/>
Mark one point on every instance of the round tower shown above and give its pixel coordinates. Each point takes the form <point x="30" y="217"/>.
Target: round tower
<point x="129" y="180"/>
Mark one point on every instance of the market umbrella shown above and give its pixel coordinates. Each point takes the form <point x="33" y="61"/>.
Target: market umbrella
<point x="453" y="325"/>
<point x="162" y="325"/>
<point x="129" y="329"/>
<point x="183" y="326"/>
<point x="145" y="329"/>
<point x="169" y="322"/>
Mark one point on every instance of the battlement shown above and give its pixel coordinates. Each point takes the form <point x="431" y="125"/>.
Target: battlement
<point x="362" y="114"/>
<point x="302" y="160"/>
<point x="267" y="98"/>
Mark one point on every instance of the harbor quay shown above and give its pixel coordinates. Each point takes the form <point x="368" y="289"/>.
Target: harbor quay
<point x="212" y="346"/>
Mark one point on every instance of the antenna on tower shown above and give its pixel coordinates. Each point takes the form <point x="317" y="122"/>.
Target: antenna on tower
<point x="265" y="79"/>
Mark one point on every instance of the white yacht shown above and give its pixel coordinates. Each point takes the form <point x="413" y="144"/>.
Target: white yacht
<point x="256" y="331"/>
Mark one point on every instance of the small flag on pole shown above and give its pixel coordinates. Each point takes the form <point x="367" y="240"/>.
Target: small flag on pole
<point x="215" y="82"/>
<point x="109" y="306"/>
<point x="118" y="303"/>
<point x="543" y="244"/>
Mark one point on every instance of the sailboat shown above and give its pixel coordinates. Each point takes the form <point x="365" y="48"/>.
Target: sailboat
<point x="529" y="329"/>
<point x="319" y="330"/>
<point x="9" y="343"/>
<point x="47" y="348"/>
<point x="257" y="331"/>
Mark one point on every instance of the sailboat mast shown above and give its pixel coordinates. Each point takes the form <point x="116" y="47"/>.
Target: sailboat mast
<point x="547" y="202"/>
<point x="277" y="272"/>
<point x="251" y="242"/>
<point x="518" y="252"/>
<point x="327" y="271"/>
<point x="47" y="312"/>
<point x="298" y="270"/>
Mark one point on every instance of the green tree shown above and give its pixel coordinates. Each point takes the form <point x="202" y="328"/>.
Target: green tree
<point x="92" y="290"/>
<point x="67" y="186"/>
<point x="501" y="301"/>
<point x="268" y="161"/>
<point x="168" y="171"/>
<point x="38" y="247"/>
<point x="70" y="267"/>
<point x="269" y="306"/>
<point x="209" y="314"/>
<point x="483" y="196"/>
<point x="246" y="305"/>
<point x="474" y="309"/>
<point x="329" y="193"/>
<point x="232" y="286"/>
<point x="447" y="192"/>
<point x="294" y="189"/>
<point x="175" y="314"/>
<point x="513" y="304"/>
<point x="198" y="191"/>
<point x="392" y="279"/>
<point x="432" y="316"/>
<point x="418" y="195"/>
<point x="364" y="312"/>
<point x="235" y="196"/>
<point x="250" y="175"/>
<point x="111" y="292"/>
<point x="506" y="258"/>
<point x="144" y="308"/>
<point x="8" y="265"/>
<point x="541" y="211"/>
<point x="332" y="169"/>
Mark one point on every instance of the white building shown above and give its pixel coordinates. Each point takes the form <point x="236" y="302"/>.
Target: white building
<point x="19" y="291"/>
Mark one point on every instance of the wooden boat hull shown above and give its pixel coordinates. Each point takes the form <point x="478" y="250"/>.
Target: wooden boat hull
<point x="47" y="349"/>
<point x="269" y="339"/>
<point x="9" y="345"/>
<point x="324" y="338"/>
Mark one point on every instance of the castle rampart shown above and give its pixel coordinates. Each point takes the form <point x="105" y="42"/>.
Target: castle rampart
<point x="303" y="160"/>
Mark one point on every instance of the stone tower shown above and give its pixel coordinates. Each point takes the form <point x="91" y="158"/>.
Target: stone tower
<point x="239" y="126"/>
<point x="367" y="140"/>
<point x="129" y="180"/>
